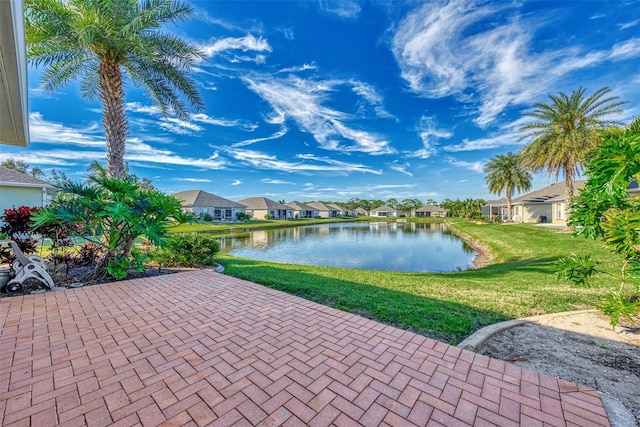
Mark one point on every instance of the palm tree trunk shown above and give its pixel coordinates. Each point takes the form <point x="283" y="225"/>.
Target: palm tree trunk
<point x="114" y="120"/>
<point x="508" y="206"/>
<point x="568" y="192"/>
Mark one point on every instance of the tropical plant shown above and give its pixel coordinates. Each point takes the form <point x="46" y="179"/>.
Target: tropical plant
<point x="468" y="208"/>
<point x="102" y="42"/>
<point x="565" y="131"/>
<point x="16" y="224"/>
<point x="603" y="210"/>
<point x="112" y="213"/>
<point x="187" y="250"/>
<point x="506" y="173"/>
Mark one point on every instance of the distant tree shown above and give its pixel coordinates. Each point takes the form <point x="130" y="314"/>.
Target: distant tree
<point x="565" y="130"/>
<point x="21" y="166"/>
<point x="409" y="205"/>
<point x="468" y="208"/>
<point x="392" y="203"/>
<point x="102" y="42"/>
<point x="505" y="173"/>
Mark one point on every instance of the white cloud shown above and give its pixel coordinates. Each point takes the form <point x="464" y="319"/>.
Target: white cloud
<point x="626" y="50"/>
<point x="192" y="179"/>
<point x="429" y="133"/>
<point x="305" y="163"/>
<point x="275" y="181"/>
<point x="472" y="166"/>
<point x="236" y="182"/>
<point x="42" y="130"/>
<point x="282" y="132"/>
<point x="244" y="44"/>
<point x="346" y="9"/>
<point x="442" y="50"/>
<point x="304" y="102"/>
<point x="187" y="127"/>
<point x="630" y="24"/>
<point x="402" y="168"/>
<point x="303" y="67"/>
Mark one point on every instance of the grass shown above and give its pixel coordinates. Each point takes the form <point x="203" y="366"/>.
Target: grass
<point x="254" y="224"/>
<point x="449" y="306"/>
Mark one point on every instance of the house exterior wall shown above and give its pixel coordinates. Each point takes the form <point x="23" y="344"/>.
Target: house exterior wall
<point x="22" y="196"/>
<point x="218" y="213"/>
<point x="531" y="213"/>
<point x="277" y="214"/>
<point x="305" y="214"/>
<point x="559" y="214"/>
<point x="383" y="214"/>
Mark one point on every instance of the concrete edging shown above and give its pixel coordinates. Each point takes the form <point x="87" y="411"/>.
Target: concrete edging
<point x="618" y="414"/>
<point x="475" y="341"/>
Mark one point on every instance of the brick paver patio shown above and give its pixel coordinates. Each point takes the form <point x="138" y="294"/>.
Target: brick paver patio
<point x="200" y="348"/>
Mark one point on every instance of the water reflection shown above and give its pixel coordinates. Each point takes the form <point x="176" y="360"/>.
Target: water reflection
<point x="417" y="247"/>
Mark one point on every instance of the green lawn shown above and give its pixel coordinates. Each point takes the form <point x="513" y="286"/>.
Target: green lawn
<point x="450" y="306"/>
<point x="226" y="227"/>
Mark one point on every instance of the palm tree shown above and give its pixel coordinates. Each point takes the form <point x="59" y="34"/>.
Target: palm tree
<point x="102" y="42"/>
<point x="506" y="173"/>
<point x="565" y="131"/>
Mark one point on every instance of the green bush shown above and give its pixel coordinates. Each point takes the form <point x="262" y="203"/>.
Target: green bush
<point x="207" y="217"/>
<point x="186" y="250"/>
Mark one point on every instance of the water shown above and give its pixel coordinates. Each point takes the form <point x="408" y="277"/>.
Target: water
<point x="412" y="247"/>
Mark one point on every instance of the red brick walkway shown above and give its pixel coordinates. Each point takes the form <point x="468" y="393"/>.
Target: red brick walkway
<point x="200" y="348"/>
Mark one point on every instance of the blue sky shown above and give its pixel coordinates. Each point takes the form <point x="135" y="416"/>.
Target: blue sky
<point x="330" y="100"/>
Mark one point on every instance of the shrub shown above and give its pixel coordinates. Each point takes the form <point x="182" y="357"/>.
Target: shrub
<point x="186" y="250"/>
<point x="17" y="227"/>
<point x="268" y="216"/>
<point x="603" y="210"/>
<point x="112" y="213"/>
<point x="207" y="217"/>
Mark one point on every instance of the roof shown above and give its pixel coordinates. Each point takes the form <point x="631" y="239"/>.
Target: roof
<point x="14" y="122"/>
<point x="323" y="206"/>
<point x="299" y="206"/>
<point x="360" y="210"/>
<point x="336" y="207"/>
<point x="199" y="198"/>
<point x="554" y="192"/>
<point x="498" y="202"/>
<point x="384" y="208"/>
<point x="430" y="208"/>
<point x="262" y="203"/>
<point x="19" y="179"/>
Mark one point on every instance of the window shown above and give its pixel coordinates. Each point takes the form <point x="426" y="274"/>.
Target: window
<point x="559" y="210"/>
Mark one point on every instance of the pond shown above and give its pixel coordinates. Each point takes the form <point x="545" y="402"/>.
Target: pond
<point x="390" y="246"/>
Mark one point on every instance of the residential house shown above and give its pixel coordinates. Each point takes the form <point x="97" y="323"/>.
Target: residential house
<point x="301" y="210"/>
<point x="361" y="212"/>
<point x="341" y="211"/>
<point x="19" y="189"/>
<point x="14" y="121"/>
<point x="383" y="212"/>
<point x="202" y="203"/>
<point x="430" y="211"/>
<point x="326" y="210"/>
<point x="495" y="209"/>
<point x="545" y="205"/>
<point x="260" y="207"/>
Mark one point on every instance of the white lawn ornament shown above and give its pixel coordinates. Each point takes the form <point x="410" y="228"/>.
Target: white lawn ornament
<point x="27" y="267"/>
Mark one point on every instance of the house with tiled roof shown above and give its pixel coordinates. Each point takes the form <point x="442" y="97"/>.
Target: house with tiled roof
<point x="383" y="212"/>
<point x="361" y="212"/>
<point x="545" y="205"/>
<point x="430" y="211"/>
<point x="326" y="210"/>
<point x="302" y="210"/>
<point x="261" y="207"/>
<point x="19" y="189"/>
<point x="202" y="203"/>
